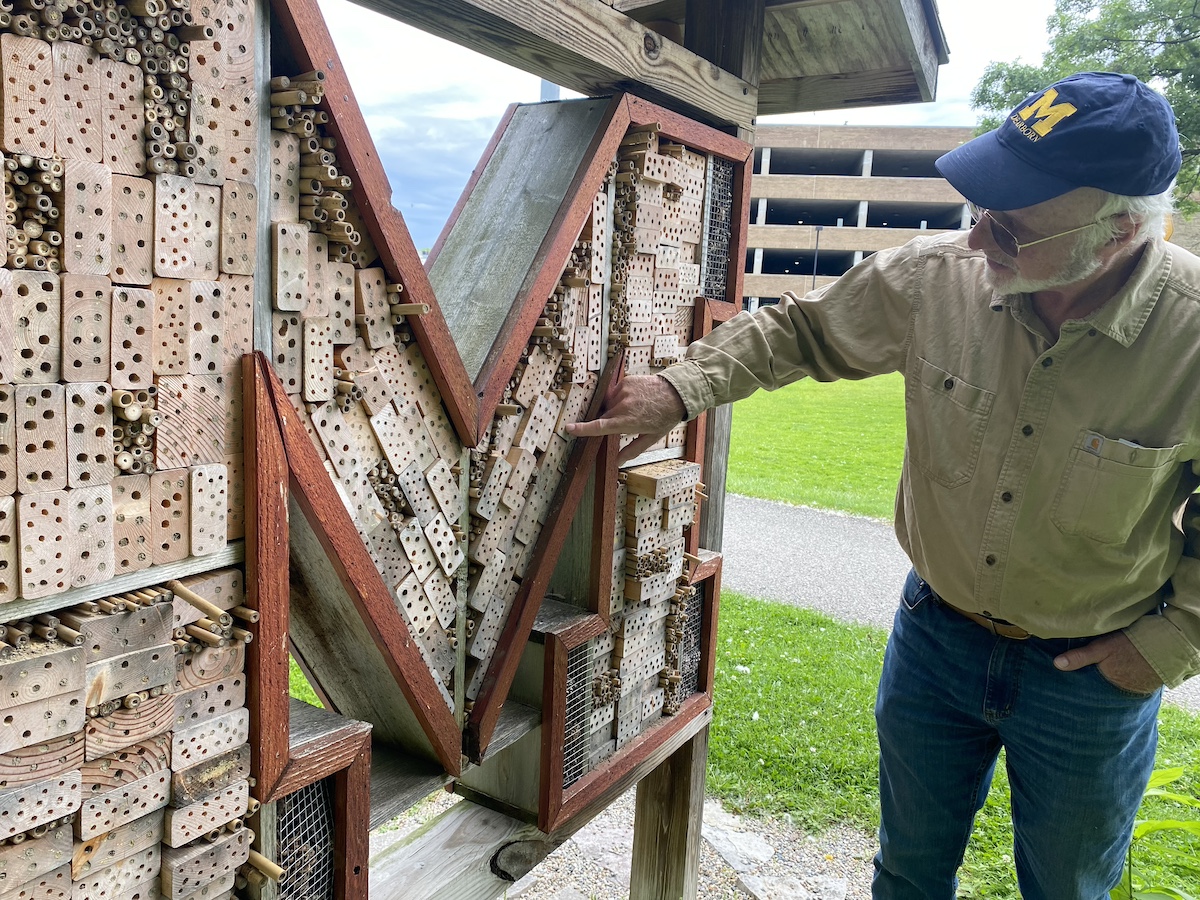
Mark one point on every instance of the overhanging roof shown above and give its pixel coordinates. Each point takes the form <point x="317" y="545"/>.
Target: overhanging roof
<point x="816" y="54"/>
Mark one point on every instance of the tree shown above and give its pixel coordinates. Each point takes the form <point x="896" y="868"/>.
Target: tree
<point x="1156" y="40"/>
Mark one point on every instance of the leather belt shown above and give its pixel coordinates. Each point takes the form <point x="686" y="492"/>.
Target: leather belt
<point x="995" y="626"/>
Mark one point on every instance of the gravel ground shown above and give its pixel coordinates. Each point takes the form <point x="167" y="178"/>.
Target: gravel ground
<point x="594" y="865"/>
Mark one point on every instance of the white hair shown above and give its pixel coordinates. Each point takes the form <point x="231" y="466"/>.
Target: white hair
<point x="1151" y="212"/>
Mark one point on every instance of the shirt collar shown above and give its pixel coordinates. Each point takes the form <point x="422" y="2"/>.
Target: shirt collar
<point x="1124" y="315"/>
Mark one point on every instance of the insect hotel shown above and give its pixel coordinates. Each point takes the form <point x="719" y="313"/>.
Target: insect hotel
<point x="240" y="419"/>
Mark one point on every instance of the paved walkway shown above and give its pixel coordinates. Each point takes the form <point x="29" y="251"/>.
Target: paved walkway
<point x="847" y="567"/>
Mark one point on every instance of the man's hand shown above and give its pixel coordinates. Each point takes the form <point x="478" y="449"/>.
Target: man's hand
<point x="1118" y="661"/>
<point x="645" y="405"/>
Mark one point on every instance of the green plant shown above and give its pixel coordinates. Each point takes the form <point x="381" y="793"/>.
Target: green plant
<point x="1134" y="884"/>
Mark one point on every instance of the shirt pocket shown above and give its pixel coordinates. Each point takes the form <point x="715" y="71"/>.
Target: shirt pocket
<point x="947" y="417"/>
<point x="1108" y="485"/>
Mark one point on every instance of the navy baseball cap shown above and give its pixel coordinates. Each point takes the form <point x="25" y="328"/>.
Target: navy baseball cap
<point x="1094" y="129"/>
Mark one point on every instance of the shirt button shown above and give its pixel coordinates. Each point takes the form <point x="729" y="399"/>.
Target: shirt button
<point x="1047" y="362"/>
<point x="1091" y="332"/>
<point x="948" y="383"/>
<point x="1006" y="497"/>
<point x="990" y="559"/>
<point x="1027" y="430"/>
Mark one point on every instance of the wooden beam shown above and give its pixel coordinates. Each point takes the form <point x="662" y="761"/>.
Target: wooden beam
<point x="728" y="33"/>
<point x="586" y="46"/>
<point x="668" y="815"/>
<point x="351" y="814"/>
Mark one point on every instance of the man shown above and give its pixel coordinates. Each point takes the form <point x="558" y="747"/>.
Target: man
<point x="1052" y="365"/>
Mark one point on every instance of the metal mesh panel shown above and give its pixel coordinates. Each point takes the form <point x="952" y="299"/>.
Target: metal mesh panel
<point x="718" y="226"/>
<point x="689" y="656"/>
<point x="306" y="843"/>
<point x="576" y="736"/>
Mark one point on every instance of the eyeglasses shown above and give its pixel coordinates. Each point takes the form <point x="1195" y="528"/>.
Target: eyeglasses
<point x="1006" y="240"/>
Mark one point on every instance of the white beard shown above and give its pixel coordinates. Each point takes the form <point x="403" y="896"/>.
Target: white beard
<point x="1077" y="268"/>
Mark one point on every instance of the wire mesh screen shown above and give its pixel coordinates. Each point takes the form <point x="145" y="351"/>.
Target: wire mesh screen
<point x="576" y="737"/>
<point x="718" y="226"/>
<point x="689" y="656"/>
<point x="306" y="843"/>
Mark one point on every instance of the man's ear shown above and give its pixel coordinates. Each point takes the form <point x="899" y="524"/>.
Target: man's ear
<point x="1128" y="229"/>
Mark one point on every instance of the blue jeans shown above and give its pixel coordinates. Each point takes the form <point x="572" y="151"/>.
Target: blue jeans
<point x="1079" y="752"/>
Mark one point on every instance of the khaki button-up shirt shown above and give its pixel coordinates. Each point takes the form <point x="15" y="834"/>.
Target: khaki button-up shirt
<point x="1044" y="482"/>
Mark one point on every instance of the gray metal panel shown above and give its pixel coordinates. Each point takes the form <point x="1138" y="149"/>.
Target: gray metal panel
<point x="486" y="258"/>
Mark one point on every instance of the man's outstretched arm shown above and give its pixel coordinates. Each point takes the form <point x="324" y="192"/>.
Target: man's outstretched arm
<point x="644" y="405"/>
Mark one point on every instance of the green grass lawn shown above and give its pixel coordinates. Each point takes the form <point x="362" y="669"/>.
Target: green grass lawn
<point x="793" y="733"/>
<point x="833" y="446"/>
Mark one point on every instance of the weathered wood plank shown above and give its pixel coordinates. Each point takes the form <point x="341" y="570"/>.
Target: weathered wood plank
<point x="126" y="727"/>
<point x="210" y="776"/>
<point x="105" y="849"/>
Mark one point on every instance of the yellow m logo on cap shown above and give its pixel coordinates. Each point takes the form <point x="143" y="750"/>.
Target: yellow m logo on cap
<point x="1045" y="113"/>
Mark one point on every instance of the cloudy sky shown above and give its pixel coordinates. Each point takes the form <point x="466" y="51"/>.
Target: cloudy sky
<point x="432" y="105"/>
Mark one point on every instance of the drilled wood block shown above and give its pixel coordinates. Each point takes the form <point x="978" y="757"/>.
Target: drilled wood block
<point x="25" y="807"/>
<point x="235" y="519"/>
<point x="122" y="877"/>
<point x="339" y="284"/>
<point x="206" y="234"/>
<point x="524" y="464"/>
<point x="319" y="284"/>
<point x="89" y="434"/>
<point x="87" y="218"/>
<point x="189" y="869"/>
<point x="210" y="777"/>
<point x="37" y="327"/>
<point x="172" y="325"/>
<point x="496" y="472"/>
<point x="392" y="439"/>
<point x="537" y="425"/>
<point x="533" y="513"/>
<point x="285" y="177"/>
<point x="421" y="388"/>
<point x="196" y="743"/>
<point x="241" y="125"/>
<point x="123" y="107"/>
<point x="24" y="864"/>
<point x="554" y="460"/>
<point x="289" y="266"/>
<point x="45" y="543"/>
<point x="10" y="565"/>
<point x="537" y="375"/>
<point x="8" y="360"/>
<point x="113" y="634"/>
<point x="175" y="227"/>
<point x="190" y="822"/>
<point x="132" y="338"/>
<point x="90" y="520"/>
<point x="492" y="622"/>
<point x="486" y="582"/>
<point x="44" y="720"/>
<point x="169" y="531"/>
<point x="445" y="546"/>
<point x="318" y="359"/>
<point x="206" y="666"/>
<point x="51" y="885"/>
<point x="439" y="589"/>
<point x="416" y="547"/>
<point x="206" y="128"/>
<point x="205" y="356"/>
<point x="8" y="440"/>
<point x="416" y="490"/>
<point x="209" y="505"/>
<point x="128" y="673"/>
<point x="358" y="422"/>
<point x="661" y="479"/>
<point x="576" y="403"/>
<point x="496" y="535"/>
<point x="371" y="307"/>
<point x="103" y="850"/>
<point x="192" y="430"/>
<point x="375" y="393"/>
<point x="287" y="354"/>
<point x="131" y="523"/>
<point x="239" y="228"/>
<point x="143" y="728"/>
<point x="414" y="605"/>
<point x="27" y="68"/>
<point x="103" y="813"/>
<point x="238" y="291"/>
<point x="222" y="587"/>
<point x="388" y="554"/>
<point x="209" y="701"/>
<point x="41" y="425"/>
<point x="40" y="672"/>
<point x="78" y="102"/>
<point x="434" y="646"/>
<point x="446" y="490"/>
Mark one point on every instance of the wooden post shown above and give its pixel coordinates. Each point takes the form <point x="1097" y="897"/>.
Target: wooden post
<point x="666" y="826"/>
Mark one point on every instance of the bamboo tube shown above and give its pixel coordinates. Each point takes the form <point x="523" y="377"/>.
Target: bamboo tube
<point x="265" y="866"/>
<point x="210" y="609"/>
<point x="206" y="637"/>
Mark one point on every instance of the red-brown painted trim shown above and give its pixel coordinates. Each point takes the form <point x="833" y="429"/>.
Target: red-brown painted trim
<point x="266" y="581"/>
<point x="476" y="173"/>
<point x="321" y="757"/>
<point x="630" y="764"/>
<point x="676" y="127"/>
<point x="708" y="632"/>
<point x="511" y="643"/>
<point x="312" y="46"/>
<point x="739" y="220"/>
<point x="352" y="825"/>
<point x="554" y="717"/>
<point x="549" y="261"/>
<point x="331" y="523"/>
<point x="604" y="528"/>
